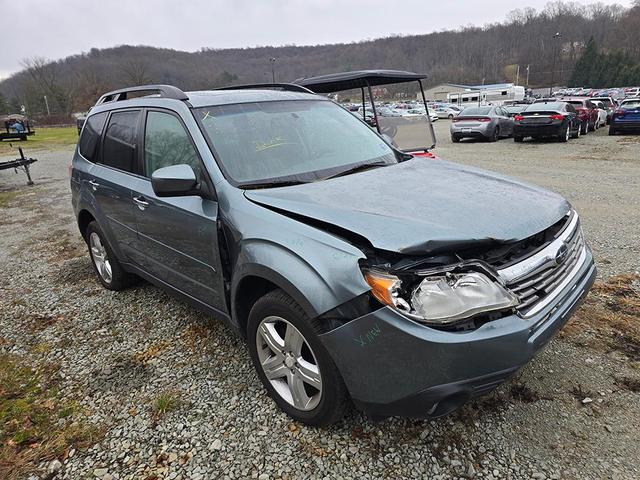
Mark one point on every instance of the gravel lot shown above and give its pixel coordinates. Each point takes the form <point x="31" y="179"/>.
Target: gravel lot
<point x="173" y="393"/>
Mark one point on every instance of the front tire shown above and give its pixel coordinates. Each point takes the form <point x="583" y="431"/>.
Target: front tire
<point x="106" y="265"/>
<point x="612" y="131"/>
<point x="292" y="363"/>
<point x="455" y="139"/>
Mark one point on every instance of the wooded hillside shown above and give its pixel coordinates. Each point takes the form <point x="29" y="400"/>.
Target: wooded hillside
<point x="469" y="55"/>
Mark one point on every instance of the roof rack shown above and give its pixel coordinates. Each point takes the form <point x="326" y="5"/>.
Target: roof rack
<point x="165" y="91"/>
<point x="289" y="87"/>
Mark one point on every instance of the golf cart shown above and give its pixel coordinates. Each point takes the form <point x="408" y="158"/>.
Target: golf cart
<point x="15" y="127"/>
<point x="410" y="133"/>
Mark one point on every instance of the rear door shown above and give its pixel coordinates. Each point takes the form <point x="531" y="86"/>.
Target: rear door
<point x="113" y="176"/>
<point x="177" y="235"/>
<point x="506" y="122"/>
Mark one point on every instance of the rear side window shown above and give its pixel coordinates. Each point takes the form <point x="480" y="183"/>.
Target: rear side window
<point x="119" y="146"/>
<point x="90" y="138"/>
<point x="166" y="143"/>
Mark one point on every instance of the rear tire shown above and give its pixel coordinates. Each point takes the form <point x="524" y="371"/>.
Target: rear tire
<point x="283" y="337"/>
<point x="496" y="135"/>
<point x="105" y="263"/>
<point x="566" y="135"/>
<point x="612" y="131"/>
<point x="450" y="116"/>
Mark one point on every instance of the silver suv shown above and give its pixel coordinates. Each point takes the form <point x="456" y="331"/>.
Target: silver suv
<point x="354" y="270"/>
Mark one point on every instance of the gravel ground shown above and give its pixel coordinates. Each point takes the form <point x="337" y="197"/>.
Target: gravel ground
<point x="175" y="395"/>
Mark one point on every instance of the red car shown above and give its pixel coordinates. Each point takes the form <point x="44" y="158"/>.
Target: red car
<point x="587" y="112"/>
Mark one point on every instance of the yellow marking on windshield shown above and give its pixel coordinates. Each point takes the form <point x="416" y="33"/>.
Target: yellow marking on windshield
<point x="276" y="142"/>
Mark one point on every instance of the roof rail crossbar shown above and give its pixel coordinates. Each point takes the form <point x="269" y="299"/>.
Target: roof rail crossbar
<point x="289" y="87"/>
<point x="165" y="91"/>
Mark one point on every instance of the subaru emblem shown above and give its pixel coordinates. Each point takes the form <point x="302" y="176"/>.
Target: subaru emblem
<point x="561" y="254"/>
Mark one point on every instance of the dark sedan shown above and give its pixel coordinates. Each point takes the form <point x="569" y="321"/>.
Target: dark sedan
<point x="626" y="117"/>
<point x="547" y="120"/>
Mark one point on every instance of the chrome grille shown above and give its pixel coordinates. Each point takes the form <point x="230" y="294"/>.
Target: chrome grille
<point x="536" y="278"/>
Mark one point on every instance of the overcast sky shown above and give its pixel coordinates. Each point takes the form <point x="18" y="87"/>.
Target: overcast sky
<point x="57" y="28"/>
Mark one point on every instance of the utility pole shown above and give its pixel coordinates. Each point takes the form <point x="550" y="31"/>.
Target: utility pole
<point x="527" y="76"/>
<point x="557" y="36"/>
<point x="46" y="102"/>
<point x="273" y="69"/>
<point x="518" y="75"/>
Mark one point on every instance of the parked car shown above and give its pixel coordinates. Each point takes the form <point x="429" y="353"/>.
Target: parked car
<point x="447" y="112"/>
<point x="80" y="123"/>
<point x="609" y="105"/>
<point x="489" y="123"/>
<point x="632" y="92"/>
<point x="557" y="120"/>
<point x="602" y="114"/>
<point x="353" y="270"/>
<point x="417" y="112"/>
<point x="388" y="112"/>
<point x="587" y="112"/>
<point x="626" y="118"/>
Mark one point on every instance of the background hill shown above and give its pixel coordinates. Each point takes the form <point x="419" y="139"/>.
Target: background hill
<point x="469" y="55"/>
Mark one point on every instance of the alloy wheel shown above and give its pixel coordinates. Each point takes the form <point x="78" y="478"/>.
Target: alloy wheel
<point x="288" y="362"/>
<point x="100" y="257"/>
<point x="568" y="133"/>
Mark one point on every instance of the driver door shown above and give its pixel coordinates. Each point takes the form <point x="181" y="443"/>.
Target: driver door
<point x="177" y="236"/>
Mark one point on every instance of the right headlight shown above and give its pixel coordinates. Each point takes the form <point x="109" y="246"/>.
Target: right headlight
<point x="441" y="298"/>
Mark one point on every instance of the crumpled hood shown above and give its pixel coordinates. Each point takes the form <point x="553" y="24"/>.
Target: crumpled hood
<point x="423" y="206"/>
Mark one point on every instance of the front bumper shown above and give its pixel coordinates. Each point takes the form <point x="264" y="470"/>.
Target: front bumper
<point x="394" y="366"/>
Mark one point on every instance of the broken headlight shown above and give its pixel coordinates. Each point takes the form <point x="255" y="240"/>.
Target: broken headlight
<point x="441" y="298"/>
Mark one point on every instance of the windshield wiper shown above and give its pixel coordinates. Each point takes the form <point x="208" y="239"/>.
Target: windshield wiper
<point x="270" y="184"/>
<point x="358" y="168"/>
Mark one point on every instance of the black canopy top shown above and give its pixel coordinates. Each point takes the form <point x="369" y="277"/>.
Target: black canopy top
<point x="336" y="82"/>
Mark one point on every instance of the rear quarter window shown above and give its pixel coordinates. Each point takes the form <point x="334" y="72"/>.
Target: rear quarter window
<point x="120" y="139"/>
<point x="90" y="138"/>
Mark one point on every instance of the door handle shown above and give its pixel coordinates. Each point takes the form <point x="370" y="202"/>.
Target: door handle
<point x="94" y="184"/>
<point x="140" y="202"/>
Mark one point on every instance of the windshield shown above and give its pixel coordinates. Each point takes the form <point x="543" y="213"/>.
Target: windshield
<point x="630" y="104"/>
<point x="289" y="141"/>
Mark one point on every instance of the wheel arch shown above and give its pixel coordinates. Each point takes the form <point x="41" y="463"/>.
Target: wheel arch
<point x="256" y="283"/>
<point x="85" y="217"/>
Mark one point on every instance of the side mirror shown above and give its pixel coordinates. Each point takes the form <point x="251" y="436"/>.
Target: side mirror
<point x="175" y="181"/>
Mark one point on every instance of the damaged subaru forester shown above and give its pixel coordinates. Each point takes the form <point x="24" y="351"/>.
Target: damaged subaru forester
<point x="355" y="271"/>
